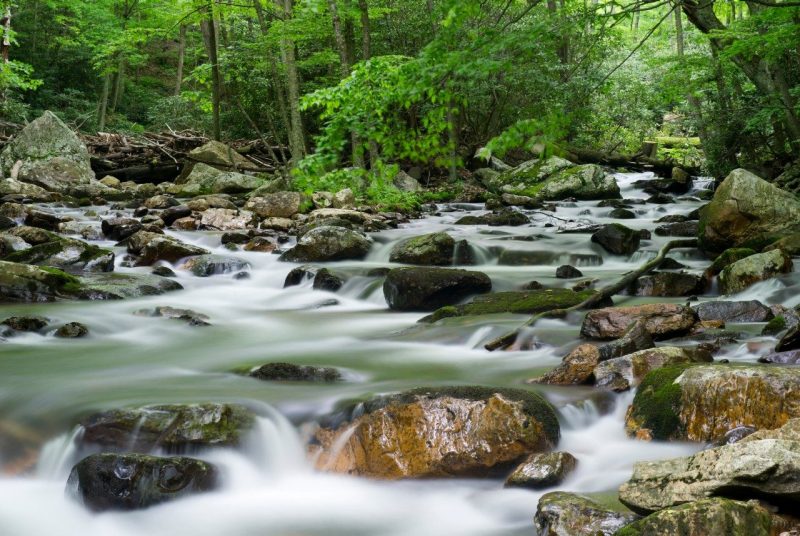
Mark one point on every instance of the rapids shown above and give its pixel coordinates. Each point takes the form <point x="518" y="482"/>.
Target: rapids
<point x="47" y="384"/>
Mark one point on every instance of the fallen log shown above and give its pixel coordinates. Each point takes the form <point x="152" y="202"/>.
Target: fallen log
<point x="153" y="173"/>
<point x="504" y="341"/>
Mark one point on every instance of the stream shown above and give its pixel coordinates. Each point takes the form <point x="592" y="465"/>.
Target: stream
<point x="269" y="487"/>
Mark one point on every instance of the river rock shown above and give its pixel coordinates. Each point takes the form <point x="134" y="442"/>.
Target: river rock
<point x="327" y="280"/>
<point x="669" y="284"/>
<point x="25" y="190"/>
<point x="277" y="205"/>
<point x="72" y="330"/>
<point x="622" y="373"/>
<point x="289" y="372"/>
<point x="554" y="179"/>
<point x="133" y="481"/>
<point x="51" y="155"/>
<point x="789" y="341"/>
<point x="568" y="272"/>
<point x="542" y="470"/>
<point x="205" y="179"/>
<point x="172" y="427"/>
<point x="26" y="283"/>
<point x="734" y="311"/>
<point x="704" y="402"/>
<point x="728" y="257"/>
<point x="661" y="320"/>
<point x="501" y="218"/>
<point x="569" y="514"/>
<point x="707" y="517"/>
<point x="172" y="214"/>
<point x="790" y="244"/>
<point x="437" y="432"/>
<point x="747" y="211"/>
<point x="427" y="289"/>
<point x="64" y="253"/>
<point x="42" y="219"/>
<point x="193" y="318"/>
<point x="120" y="228"/>
<point x="756" y="466"/>
<point x="153" y="247"/>
<point x="329" y="243"/>
<point x="687" y="228"/>
<point x="211" y="264"/>
<point x="118" y="286"/>
<point x="435" y="249"/>
<point x="750" y="270"/>
<point x="617" y="239"/>
<point x="512" y="257"/>
<point x="215" y="153"/>
<point x="25" y="323"/>
<point x="160" y="202"/>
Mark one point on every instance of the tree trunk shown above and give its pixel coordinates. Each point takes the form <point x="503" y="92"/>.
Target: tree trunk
<point x="679" y="43"/>
<point x="181" y="57"/>
<point x="207" y="26"/>
<point x="119" y="82"/>
<point x="277" y="81"/>
<point x="366" y="38"/>
<point x="102" y="106"/>
<point x="297" y="143"/>
<point x="6" y="46"/>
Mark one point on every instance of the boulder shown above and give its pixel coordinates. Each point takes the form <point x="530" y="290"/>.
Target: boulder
<point x="747" y="211"/>
<point x="160" y="202"/>
<point x="26" y="283"/>
<point x="500" y="218"/>
<point x="51" y="155"/>
<point x="617" y="239"/>
<point x="687" y="228"/>
<point x="35" y="193"/>
<point x="344" y="199"/>
<point x="64" y="253"/>
<point x="405" y="182"/>
<point x="734" y="311"/>
<point x="542" y="470"/>
<point x="211" y="264"/>
<point x="758" y="466"/>
<point x="622" y="373"/>
<point x="435" y="249"/>
<point x="569" y="514"/>
<point x="554" y="179"/>
<point x="790" y="244"/>
<point x="568" y="272"/>
<point x="205" y="179"/>
<point x="117" y="286"/>
<point x="789" y="341"/>
<point x="704" y="402"/>
<point x="277" y="205"/>
<point x="728" y="257"/>
<point x="289" y="372"/>
<point x="215" y="153"/>
<point x="438" y="432"/>
<point x="72" y="330"/>
<point x="661" y="320"/>
<point x="172" y="214"/>
<point x="427" y="289"/>
<point x="750" y="270"/>
<point x="669" y="284"/>
<point x="173" y="428"/>
<point x="707" y="517"/>
<point x="132" y="481"/>
<point x="329" y="243"/>
<point x="153" y="247"/>
<point x="327" y="280"/>
<point x="120" y="228"/>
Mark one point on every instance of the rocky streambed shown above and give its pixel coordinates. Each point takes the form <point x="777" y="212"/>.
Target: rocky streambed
<point x="214" y="358"/>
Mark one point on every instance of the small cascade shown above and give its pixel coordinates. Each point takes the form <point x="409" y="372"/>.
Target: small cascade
<point x="58" y="455"/>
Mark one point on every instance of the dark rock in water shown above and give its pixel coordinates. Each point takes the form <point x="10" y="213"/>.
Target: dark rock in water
<point x="510" y="257"/>
<point x="660" y="199"/>
<point x="327" y="280"/>
<point x="790" y="341"/>
<point x="734" y="311"/>
<point x="327" y="222"/>
<point x="616" y="203"/>
<point x="791" y="357"/>
<point x="174" y="427"/>
<point x="542" y="470"/>
<point x="235" y="238"/>
<point x="42" y="220"/>
<point x="561" y="513"/>
<point x="193" y="318"/>
<point x="211" y="264"/>
<point x="163" y="271"/>
<point x="132" y="481"/>
<point x="169" y="215"/>
<point x="735" y="435"/>
<point x="436" y="432"/>
<point x="671" y="264"/>
<point x="673" y="218"/>
<point x="501" y="218"/>
<point x="669" y="284"/>
<point x="329" y="243"/>
<point x="435" y="249"/>
<point x="117" y="286"/>
<point x="655" y="186"/>
<point x="120" y="228"/>
<point x="688" y="228"/>
<point x="25" y="323"/>
<point x="709" y="517"/>
<point x="152" y="247"/>
<point x="56" y="251"/>
<point x="289" y="372"/>
<point x="262" y="244"/>
<point x="622" y="214"/>
<point x="516" y="302"/>
<point x="662" y="320"/>
<point x="644" y="234"/>
<point x="617" y="239"/>
<point x="427" y="289"/>
<point x="298" y="275"/>
<point x="532" y="285"/>
<point x="6" y="223"/>
<point x="72" y="330"/>
<point x="568" y="272"/>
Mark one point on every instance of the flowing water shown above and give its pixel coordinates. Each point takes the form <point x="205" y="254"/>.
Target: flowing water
<point x="47" y="384"/>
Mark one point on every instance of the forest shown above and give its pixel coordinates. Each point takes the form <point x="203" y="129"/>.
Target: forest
<point x="400" y="267"/>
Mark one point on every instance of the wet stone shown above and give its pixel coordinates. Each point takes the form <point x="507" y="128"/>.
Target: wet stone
<point x="542" y="470"/>
<point x="289" y="372"/>
<point x="72" y="330"/>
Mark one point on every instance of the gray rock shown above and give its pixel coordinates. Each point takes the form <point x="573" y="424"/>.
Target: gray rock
<point x="569" y="514"/>
<point x="211" y="264"/>
<point x="153" y="247"/>
<point x="435" y="249"/>
<point x="72" y="330"/>
<point x="329" y="243"/>
<point x="734" y="311"/>
<point x="289" y="372"/>
<point x="427" y="289"/>
<point x="277" y="205"/>
<point x="542" y="470"/>
<point x="622" y="373"/>
<point x="617" y="239"/>
<point x="750" y="270"/>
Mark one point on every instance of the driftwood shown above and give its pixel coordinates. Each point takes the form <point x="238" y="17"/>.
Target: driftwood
<point x="636" y="162"/>
<point x="504" y="341"/>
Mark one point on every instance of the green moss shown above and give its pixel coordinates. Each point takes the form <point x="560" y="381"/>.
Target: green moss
<point x="728" y="257"/>
<point x="516" y="302"/>
<point x="776" y="325"/>
<point x="656" y="405"/>
<point x="64" y="281"/>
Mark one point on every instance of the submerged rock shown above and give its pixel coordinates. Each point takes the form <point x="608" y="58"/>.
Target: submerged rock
<point x="704" y="402"/>
<point x="617" y="239"/>
<point x="329" y="243"/>
<point x="750" y="270"/>
<point x="569" y="514"/>
<point x="435" y="249"/>
<point x="437" y="432"/>
<point x="193" y="318"/>
<point x="72" y="330"/>
<point x="289" y="372"/>
<point x="173" y="427"/>
<point x="747" y="211"/>
<point x="132" y="481"/>
<point x="734" y="311"/>
<point x="542" y="470"/>
<point x="661" y="320"/>
<point x="427" y="289"/>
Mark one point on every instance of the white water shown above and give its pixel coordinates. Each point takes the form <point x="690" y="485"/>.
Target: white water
<point x="269" y="487"/>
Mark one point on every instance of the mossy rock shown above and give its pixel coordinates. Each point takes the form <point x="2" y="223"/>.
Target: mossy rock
<point x="434" y="249"/>
<point x="65" y="253"/>
<point x="526" y="302"/>
<point x="26" y="283"/>
<point x="657" y="404"/>
<point x="775" y="326"/>
<point x="562" y="513"/>
<point x="118" y="286"/>
<point x="728" y="257"/>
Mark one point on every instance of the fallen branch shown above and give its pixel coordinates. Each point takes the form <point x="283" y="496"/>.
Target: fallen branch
<point x="504" y="341"/>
